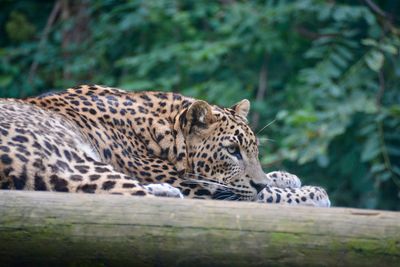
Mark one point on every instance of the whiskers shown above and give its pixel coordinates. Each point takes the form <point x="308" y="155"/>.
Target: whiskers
<point x="200" y="179"/>
<point x="268" y="124"/>
<point x="227" y="194"/>
<point x="264" y="140"/>
<point x="222" y="191"/>
<point x="222" y="194"/>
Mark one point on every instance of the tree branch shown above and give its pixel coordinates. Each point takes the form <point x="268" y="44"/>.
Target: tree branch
<point x="312" y="35"/>
<point x="262" y="89"/>
<point x="381" y="91"/>
<point x="377" y="10"/>
<point x="386" y="18"/>
<point x="50" y="22"/>
<point x="55" y="229"/>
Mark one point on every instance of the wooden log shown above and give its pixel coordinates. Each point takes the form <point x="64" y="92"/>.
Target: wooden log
<point x="61" y="229"/>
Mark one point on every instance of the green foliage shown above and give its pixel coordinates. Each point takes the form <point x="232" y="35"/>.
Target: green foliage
<point x="18" y="28"/>
<point x="331" y="68"/>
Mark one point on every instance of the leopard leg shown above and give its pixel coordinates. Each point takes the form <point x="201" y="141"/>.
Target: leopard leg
<point x="306" y="196"/>
<point x="283" y="179"/>
<point x="56" y="174"/>
<point x="81" y="174"/>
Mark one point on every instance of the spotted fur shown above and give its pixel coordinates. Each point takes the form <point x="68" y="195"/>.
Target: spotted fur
<point x="285" y="188"/>
<point x="96" y="139"/>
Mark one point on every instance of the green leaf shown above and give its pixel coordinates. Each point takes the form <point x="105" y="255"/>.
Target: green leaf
<point x="375" y="60"/>
<point x="282" y="114"/>
<point x="391" y="49"/>
<point x="383" y="177"/>
<point x="302" y="117"/>
<point x="371" y="149"/>
<point x="369" y="42"/>
<point x="323" y="160"/>
<point x="377" y="168"/>
<point x="395" y="110"/>
<point x="5" y="80"/>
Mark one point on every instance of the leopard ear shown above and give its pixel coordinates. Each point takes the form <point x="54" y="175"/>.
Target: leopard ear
<point x="242" y="108"/>
<point x="198" y="116"/>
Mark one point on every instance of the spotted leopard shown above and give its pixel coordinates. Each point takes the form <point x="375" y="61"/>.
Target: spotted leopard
<point x="96" y="139"/>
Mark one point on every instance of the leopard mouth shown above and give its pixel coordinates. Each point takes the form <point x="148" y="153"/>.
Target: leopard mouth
<point x="258" y="187"/>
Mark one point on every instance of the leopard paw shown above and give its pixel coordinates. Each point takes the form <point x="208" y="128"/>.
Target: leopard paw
<point x="315" y="196"/>
<point x="164" y="190"/>
<point x="283" y="179"/>
<point x="305" y="196"/>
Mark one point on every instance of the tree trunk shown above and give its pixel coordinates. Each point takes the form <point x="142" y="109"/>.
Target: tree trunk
<point x="61" y="229"/>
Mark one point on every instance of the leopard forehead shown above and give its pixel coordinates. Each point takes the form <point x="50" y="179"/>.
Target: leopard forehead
<point x="233" y="128"/>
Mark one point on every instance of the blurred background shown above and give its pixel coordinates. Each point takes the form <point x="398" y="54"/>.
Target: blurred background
<point x="323" y="76"/>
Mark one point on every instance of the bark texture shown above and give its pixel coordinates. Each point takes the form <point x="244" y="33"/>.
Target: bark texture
<point x="56" y="229"/>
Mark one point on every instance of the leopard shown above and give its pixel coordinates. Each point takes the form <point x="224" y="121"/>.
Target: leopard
<point x="104" y="140"/>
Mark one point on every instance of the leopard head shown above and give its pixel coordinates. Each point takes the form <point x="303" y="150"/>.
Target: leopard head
<point x="218" y="149"/>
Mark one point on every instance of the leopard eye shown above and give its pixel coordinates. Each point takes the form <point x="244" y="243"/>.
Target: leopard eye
<point x="234" y="150"/>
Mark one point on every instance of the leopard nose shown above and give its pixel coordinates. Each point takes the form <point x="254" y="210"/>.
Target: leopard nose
<point x="258" y="187"/>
